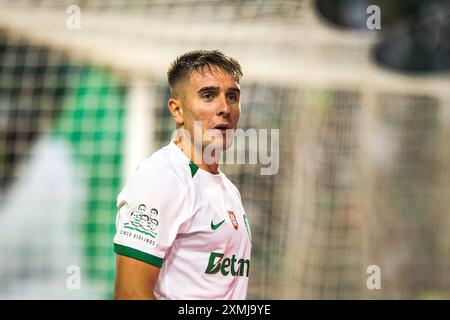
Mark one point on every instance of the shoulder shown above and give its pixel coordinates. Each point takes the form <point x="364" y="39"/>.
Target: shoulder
<point x="159" y="175"/>
<point x="165" y="167"/>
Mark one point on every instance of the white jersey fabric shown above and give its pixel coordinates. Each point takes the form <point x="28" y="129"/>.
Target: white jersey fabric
<point x="189" y="222"/>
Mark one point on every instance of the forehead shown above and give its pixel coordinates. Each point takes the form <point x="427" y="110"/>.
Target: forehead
<point x="212" y="77"/>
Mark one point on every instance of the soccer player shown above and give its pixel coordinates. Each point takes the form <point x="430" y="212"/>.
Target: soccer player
<point x="200" y="245"/>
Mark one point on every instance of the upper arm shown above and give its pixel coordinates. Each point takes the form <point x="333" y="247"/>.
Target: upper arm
<point x="134" y="279"/>
<point x="152" y="207"/>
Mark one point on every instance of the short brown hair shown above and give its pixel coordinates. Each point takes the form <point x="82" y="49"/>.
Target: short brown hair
<point x="197" y="60"/>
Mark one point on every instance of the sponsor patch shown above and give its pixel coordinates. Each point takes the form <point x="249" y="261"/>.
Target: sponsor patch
<point x="144" y="222"/>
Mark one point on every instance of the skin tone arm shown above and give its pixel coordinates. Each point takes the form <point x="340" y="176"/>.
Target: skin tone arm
<point x="135" y="279"/>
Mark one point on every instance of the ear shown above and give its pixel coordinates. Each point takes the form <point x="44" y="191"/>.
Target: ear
<point x="176" y="109"/>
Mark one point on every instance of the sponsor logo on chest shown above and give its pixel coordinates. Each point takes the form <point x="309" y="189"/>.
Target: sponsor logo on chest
<point x="229" y="266"/>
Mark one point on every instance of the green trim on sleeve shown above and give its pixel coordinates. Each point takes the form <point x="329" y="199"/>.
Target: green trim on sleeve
<point x="138" y="255"/>
<point x="193" y="167"/>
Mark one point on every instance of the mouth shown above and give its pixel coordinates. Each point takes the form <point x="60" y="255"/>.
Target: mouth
<point x="223" y="127"/>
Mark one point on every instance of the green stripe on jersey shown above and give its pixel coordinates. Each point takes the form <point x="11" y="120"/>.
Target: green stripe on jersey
<point x="138" y="255"/>
<point x="193" y="167"/>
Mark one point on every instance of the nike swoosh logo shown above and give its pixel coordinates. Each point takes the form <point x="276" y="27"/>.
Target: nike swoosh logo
<point x="215" y="226"/>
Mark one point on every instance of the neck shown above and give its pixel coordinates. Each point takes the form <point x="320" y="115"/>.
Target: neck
<point x="195" y="154"/>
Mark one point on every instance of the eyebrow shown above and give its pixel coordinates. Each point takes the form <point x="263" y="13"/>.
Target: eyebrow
<point x="237" y="90"/>
<point x="208" y="89"/>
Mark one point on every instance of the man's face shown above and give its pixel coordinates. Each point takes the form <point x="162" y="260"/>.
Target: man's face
<point x="145" y="221"/>
<point x="153" y="224"/>
<point x="212" y="97"/>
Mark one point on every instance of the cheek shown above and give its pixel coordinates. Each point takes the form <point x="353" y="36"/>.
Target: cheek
<point x="196" y="111"/>
<point x="190" y="116"/>
<point x="237" y="113"/>
<point x="198" y="114"/>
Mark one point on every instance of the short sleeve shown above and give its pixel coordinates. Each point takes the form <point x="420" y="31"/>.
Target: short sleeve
<point x="151" y="208"/>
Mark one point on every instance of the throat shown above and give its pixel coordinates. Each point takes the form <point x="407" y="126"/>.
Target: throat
<point x="197" y="158"/>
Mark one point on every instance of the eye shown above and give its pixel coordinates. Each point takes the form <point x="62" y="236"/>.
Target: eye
<point x="232" y="97"/>
<point x="207" y="96"/>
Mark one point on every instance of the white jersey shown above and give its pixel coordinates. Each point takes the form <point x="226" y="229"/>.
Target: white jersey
<point x="189" y="222"/>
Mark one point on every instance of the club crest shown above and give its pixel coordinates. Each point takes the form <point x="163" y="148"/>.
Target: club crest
<point x="233" y="220"/>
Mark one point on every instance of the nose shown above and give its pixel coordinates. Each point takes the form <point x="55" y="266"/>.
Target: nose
<point x="223" y="108"/>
